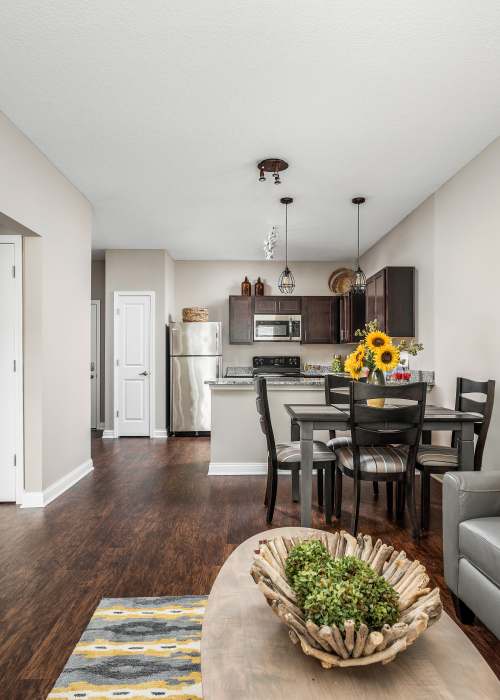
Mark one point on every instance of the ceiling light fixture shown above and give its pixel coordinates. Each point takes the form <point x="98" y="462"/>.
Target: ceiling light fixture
<point x="286" y="282"/>
<point x="359" y="283"/>
<point x="271" y="165"/>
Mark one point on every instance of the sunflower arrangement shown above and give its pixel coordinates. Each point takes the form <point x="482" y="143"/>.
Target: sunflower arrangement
<point x="375" y="351"/>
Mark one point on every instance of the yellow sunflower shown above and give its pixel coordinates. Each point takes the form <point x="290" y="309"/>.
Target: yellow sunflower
<point x="376" y="340"/>
<point x="359" y="354"/>
<point x="386" y="358"/>
<point x="354" y="364"/>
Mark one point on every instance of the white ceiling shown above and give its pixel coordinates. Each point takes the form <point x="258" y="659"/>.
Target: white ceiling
<point x="159" y="110"/>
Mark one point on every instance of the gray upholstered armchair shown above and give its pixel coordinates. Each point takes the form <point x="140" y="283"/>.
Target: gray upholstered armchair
<point x="471" y="534"/>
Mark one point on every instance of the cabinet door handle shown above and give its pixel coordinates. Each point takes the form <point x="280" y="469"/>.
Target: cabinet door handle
<point x="144" y="374"/>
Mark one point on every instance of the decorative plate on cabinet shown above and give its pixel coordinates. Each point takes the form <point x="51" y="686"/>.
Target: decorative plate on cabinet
<point x="341" y="280"/>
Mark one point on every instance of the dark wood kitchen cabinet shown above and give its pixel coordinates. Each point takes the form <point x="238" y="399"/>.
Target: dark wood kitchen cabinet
<point x="320" y="320"/>
<point x="352" y="309"/>
<point x="277" y="305"/>
<point x="390" y="299"/>
<point x="240" y="320"/>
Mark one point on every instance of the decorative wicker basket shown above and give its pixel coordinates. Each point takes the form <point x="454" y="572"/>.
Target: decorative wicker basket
<point x="419" y="606"/>
<point x="194" y="313"/>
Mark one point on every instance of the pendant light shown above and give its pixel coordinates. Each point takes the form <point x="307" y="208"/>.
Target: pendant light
<point x="286" y="282"/>
<point x="359" y="283"/>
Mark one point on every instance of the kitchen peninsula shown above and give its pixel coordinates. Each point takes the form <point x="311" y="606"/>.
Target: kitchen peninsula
<point x="238" y="446"/>
<point x="237" y="443"/>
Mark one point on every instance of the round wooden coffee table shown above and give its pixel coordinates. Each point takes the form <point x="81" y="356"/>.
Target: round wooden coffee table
<point x="246" y="652"/>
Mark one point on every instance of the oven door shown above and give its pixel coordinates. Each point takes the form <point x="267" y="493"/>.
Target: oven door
<point x="276" y="328"/>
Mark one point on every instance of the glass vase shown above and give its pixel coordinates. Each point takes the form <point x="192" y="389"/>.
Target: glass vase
<point x="376" y="377"/>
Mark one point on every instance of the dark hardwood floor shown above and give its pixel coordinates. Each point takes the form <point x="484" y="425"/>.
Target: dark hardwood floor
<point x="147" y="522"/>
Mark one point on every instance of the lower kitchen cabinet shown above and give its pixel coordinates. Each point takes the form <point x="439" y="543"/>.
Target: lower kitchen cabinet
<point x="320" y="320"/>
<point x="240" y="320"/>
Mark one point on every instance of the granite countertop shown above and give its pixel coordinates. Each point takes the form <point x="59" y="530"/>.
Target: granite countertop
<point x="274" y="381"/>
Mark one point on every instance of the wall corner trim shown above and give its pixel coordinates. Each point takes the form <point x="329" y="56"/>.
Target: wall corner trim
<point x="159" y="433"/>
<point x="108" y="434"/>
<point x="40" y="499"/>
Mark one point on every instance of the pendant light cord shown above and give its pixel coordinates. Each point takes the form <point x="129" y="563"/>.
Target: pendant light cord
<point x="358" y="236"/>
<point x="286" y="236"/>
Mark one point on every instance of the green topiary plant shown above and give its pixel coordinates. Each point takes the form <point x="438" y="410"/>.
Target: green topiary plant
<point x="331" y="591"/>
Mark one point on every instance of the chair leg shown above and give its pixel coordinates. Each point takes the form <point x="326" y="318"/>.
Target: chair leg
<point x="356" y="492"/>
<point x="295" y="485"/>
<point x="463" y="612"/>
<point x="268" y="482"/>
<point x="425" y="498"/>
<point x="375" y="488"/>
<point x="329" y="493"/>
<point x="412" y="508"/>
<point x="426" y="437"/>
<point x="272" y="495"/>
<point x="319" y="473"/>
<point x="400" y="499"/>
<point x="338" y="493"/>
<point x="389" y="496"/>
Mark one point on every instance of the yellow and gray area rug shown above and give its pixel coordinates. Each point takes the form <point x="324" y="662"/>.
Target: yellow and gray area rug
<point x="138" y="648"/>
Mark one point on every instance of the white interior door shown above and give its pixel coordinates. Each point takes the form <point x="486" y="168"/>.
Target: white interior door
<point x="9" y="400"/>
<point x="95" y="374"/>
<point x="133" y="363"/>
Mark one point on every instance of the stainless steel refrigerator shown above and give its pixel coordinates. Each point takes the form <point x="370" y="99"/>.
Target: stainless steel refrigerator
<point x="195" y="357"/>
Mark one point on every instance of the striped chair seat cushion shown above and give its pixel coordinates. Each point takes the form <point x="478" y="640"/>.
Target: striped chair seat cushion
<point x="290" y="452"/>
<point x="437" y="456"/>
<point x="375" y="460"/>
<point x="337" y="442"/>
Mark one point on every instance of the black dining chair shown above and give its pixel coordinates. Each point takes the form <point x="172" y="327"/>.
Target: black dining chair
<point x="287" y="456"/>
<point x="439" y="459"/>
<point x="384" y="443"/>
<point x="337" y="392"/>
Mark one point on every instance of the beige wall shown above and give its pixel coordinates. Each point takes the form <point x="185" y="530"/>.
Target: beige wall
<point x="452" y="239"/>
<point x="98" y="292"/>
<point x="128" y="271"/>
<point x="56" y="305"/>
<point x="210" y="284"/>
<point x="169" y="288"/>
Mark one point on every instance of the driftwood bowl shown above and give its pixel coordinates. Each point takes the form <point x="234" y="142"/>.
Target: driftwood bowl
<point x="419" y="606"/>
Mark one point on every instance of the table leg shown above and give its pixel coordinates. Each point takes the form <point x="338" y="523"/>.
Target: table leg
<point x="306" y="466"/>
<point x="295" y="485"/>
<point x="466" y="447"/>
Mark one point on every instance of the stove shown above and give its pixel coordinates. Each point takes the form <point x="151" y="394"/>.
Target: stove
<point x="277" y="366"/>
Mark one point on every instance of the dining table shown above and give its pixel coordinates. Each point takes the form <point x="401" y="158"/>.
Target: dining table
<point x="311" y="417"/>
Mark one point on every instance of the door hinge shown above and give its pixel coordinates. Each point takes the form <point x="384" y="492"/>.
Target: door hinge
<point x="14" y="271"/>
<point x="15" y="366"/>
<point x="118" y="363"/>
<point x="117" y="312"/>
<point x="118" y="414"/>
<point x="15" y="460"/>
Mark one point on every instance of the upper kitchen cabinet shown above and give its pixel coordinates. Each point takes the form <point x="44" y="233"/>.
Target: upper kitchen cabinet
<point x="320" y="319"/>
<point x="240" y="320"/>
<point x="390" y="299"/>
<point x="352" y="316"/>
<point x="277" y="305"/>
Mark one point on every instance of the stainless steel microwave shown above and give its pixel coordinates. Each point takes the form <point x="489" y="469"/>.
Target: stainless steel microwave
<point x="277" y="328"/>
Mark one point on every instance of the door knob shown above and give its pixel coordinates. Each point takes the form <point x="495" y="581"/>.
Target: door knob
<point x="144" y="374"/>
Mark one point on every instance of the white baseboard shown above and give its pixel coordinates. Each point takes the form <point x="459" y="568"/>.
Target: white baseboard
<point x="236" y="468"/>
<point x="108" y="434"/>
<point x="241" y="469"/>
<point x="159" y="433"/>
<point x="39" y="499"/>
